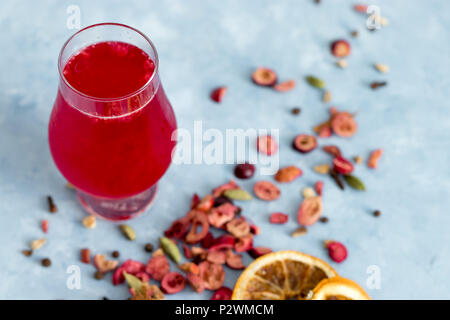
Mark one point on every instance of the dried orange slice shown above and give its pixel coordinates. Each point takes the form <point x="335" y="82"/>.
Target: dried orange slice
<point x="281" y="275"/>
<point x="338" y="288"/>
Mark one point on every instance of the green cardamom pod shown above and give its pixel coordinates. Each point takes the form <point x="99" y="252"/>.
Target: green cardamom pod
<point x="132" y="281"/>
<point x="128" y="232"/>
<point x="315" y="82"/>
<point x="354" y="182"/>
<point x="170" y="249"/>
<point x="237" y="194"/>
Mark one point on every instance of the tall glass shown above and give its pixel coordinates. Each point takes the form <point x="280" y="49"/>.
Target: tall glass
<point x="111" y="127"/>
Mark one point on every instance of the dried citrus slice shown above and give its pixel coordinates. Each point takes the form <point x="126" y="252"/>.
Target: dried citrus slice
<point x="281" y="275"/>
<point x="338" y="288"/>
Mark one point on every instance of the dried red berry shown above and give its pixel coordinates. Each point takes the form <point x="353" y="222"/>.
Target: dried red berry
<point x="207" y="241"/>
<point x="227" y="186"/>
<point x="374" y="157"/>
<point x="199" y="226"/>
<point x="178" y="229"/>
<point x="216" y="256"/>
<point x="206" y="203"/>
<point x="266" y="190"/>
<point x="144" y="277"/>
<point x="220" y="200"/>
<point x="198" y="253"/>
<point x="244" y="244"/>
<point x="44" y="226"/>
<point x="223" y="242"/>
<point x="157" y="267"/>
<point x="173" y="282"/>
<point x="220" y="215"/>
<point x="343" y="124"/>
<point x="342" y="165"/>
<point x="213" y="275"/>
<point x="325" y="132"/>
<point x="133" y="267"/>
<point x="222" y="293"/>
<point x="267" y="145"/>
<point x="218" y="94"/>
<point x="258" y="252"/>
<point x="288" y="174"/>
<point x="187" y="251"/>
<point x="244" y="171"/>
<point x="118" y="277"/>
<point x="254" y="229"/>
<point x="264" y="77"/>
<point x="305" y="143"/>
<point x="278" y="218"/>
<point x="86" y="255"/>
<point x="195" y="200"/>
<point x="238" y="227"/>
<point x="332" y="150"/>
<point x="196" y="282"/>
<point x="310" y="211"/>
<point x="234" y="261"/>
<point x="337" y="251"/>
<point x="319" y="187"/>
<point x="340" y="48"/>
<point x="285" y="86"/>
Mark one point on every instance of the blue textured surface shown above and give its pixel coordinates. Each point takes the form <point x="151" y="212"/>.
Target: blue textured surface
<point x="203" y="44"/>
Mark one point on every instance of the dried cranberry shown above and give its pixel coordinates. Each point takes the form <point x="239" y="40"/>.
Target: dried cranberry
<point x="266" y="190"/>
<point x="278" y="218"/>
<point x="223" y="242"/>
<point x="199" y="220"/>
<point x="332" y="150"/>
<point x="207" y="241"/>
<point x="337" y="251"/>
<point x="258" y="252"/>
<point x="340" y="48"/>
<point x="244" y="170"/>
<point x="221" y="215"/>
<point x="222" y="293"/>
<point x="267" y="145"/>
<point x="374" y="157"/>
<point x="118" y="277"/>
<point x="133" y="267"/>
<point x="216" y="256"/>
<point x="319" y="187"/>
<point x="238" y="227"/>
<point x="305" y="143"/>
<point x="344" y="125"/>
<point x="213" y="275"/>
<point x="196" y="282"/>
<point x="206" y="203"/>
<point x="285" y="86"/>
<point x="178" y="229"/>
<point x="218" y="94"/>
<point x="143" y="276"/>
<point x="342" y="165"/>
<point x="187" y="251"/>
<point x="220" y="200"/>
<point x="195" y="200"/>
<point x="264" y="77"/>
<point x="234" y="261"/>
<point x="173" y="282"/>
<point x="44" y="226"/>
<point x="244" y="243"/>
<point x="158" y="267"/>
<point x="310" y="211"/>
<point x="254" y="229"/>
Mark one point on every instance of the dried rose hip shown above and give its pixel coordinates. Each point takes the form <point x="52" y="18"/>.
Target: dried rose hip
<point x="337" y="251"/>
<point x="199" y="221"/>
<point x="187" y="251"/>
<point x="319" y="187"/>
<point x="216" y="256"/>
<point x="223" y="242"/>
<point x="212" y="275"/>
<point x="254" y="229"/>
<point x="288" y="174"/>
<point x="118" y="277"/>
<point x="374" y="157"/>
<point x="238" y="227"/>
<point x="244" y="171"/>
<point x="218" y="94"/>
<point x="344" y="125"/>
<point x="207" y="241"/>
<point x="342" y="165"/>
<point x="310" y="211"/>
<point x="234" y="261"/>
<point x="195" y="200"/>
<point x="103" y="265"/>
<point x="258" y="252"/>
<point x="278" y="218"/>
<point x="266" y="190"/>
<point x="325" y="132"/>
<point x="144" y="277"/>
<point x="173" y="282"/>
<point x="285" y="86"/>
<point x="220" y="200"/>
<point x="221" y="215"/>
<point x="178" y="229"/>
<point x="264" y="77"/>
<point x="198" y="253"/>
<point x="206" y="203"/>
<point x="305" y="143"/>
<point x="267" y="145"/>
<point x="332" y="150"/>
<point x="222" y="293"/>
<point x="244" y="244"/>
<point x="157" y="267"/>
<point x="86" y="255"/>
<point x="196" y="282"/>
<point x="227" y="186"/>
<point x="340" y="48"/>
<point x="133" y="267"/>
<point x="44" y="226"/>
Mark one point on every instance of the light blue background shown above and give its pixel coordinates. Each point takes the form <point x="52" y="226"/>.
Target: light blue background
<point x="203" y="44"/>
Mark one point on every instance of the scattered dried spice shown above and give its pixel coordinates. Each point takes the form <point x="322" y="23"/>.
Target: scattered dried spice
<point x="51" y="205"/>
<point x="354" y="182"/>
<point x="46" y="262"/>
<point x="44" y="226"/>
<point x="378" y="84"/>
<point x="264" y="77"/>
<point x="337" y="179"/>
<point x="354" y="34"/>
<point x="322" y="168"/>
<point x="99" y="275"/>
<point x="37" y="244"/>
<point x="383" y="68"/>
<point x="27" y="253"/>
<point x="90" y="222"/>
<point x="170" y="249"/>
<point x="301" y="231"/>
<point x="296" y="111"/>
<point x="324" y="220"/>
<point x="374" y="157"/>
<point x="326" y="96"/>
<point x="316" y="82"/>
<point x="358" y="159"/>
<point x="288" y="174"/>
<point x="308" y="192"/>
<point x="267" y="145"/>
<point x="342" y="64"/>
<point x="377" y="213"/>
<point x="310" y="211"/>
<point x="304" y="143"/>
<point x="128" y="232"/>
<point x="340" y="48"/>
<point x="218" y="94"/>
<point x="85" y="255"/>
<point x="148" y="247"/>
<point x="115" y="254"/>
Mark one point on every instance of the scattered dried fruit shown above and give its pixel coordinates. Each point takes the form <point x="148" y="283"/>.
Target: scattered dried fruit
<point x="221" y="189"/>
<point x="216" y="256"/>
<point x="128" y="232"/>
<point x="218" y="94"/>
<point x="86" y="255"/>
<point x="332" y="150"/>
<point x="266" y="190"/>
<point x="189" y="267"/>
<point x="196" y="282"/>
<point x="103" y="265"/>
<point x="170" y="249"/>
<point x="288" y="174"/>
<point x="157" y="267"/>
<point x="308" y="192"/>
<point x="383" y="68"/>
<point x="244" y="171"/>
<point x="337" y="251"/>
<point x="257" y="252"/>
<point x="285" y="86"/>
<point x="244" y="243"/>
<point x="361" y="8"/>
<point x="220" y="215"/>
<point x="316" y="82"/>
<point x="264" y="77"/>
<point x="199" y="220"/>
<point x="343" y="124"/>
<point x="278" y="218"/>
<point x="238" y="227"/>
<point x="234" y="261"/>
<point x="238" y="194"/>
<point x="340" y="48"/>
<point x="310" y="211"/>
<point x="222" y="293"/>
<point x="319" y="187"/>
<point x="342" y="165"/>
<point x="90" y="222"/>
<point x="305" y="143"/>
<point x="267" y="145"/>
<point x="223" y="242"/>
<point x="44" y="226"/>
<point x="173" y="282"/>
<point x="213" y="275"/>
<point x="51" y="205"/>
<point x="37" y="244"/>
<point x="354" y="182"/>
<point x="301" y="231"/>
<point x="374" y="157"/>
<point x="322" y="168"/>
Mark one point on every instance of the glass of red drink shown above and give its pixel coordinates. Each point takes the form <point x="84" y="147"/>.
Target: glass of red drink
<point x="111" y="131"/>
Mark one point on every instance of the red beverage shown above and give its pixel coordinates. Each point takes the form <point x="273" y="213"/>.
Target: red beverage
<point x="111" y="127"/>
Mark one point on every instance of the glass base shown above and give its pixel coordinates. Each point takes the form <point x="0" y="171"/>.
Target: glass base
<point x="118" y="209"/>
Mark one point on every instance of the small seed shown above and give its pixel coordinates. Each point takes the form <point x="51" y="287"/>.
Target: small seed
<point x="296" y="111"/>
<point x="115" y="254"/>
<point x="99" y="275"/>
<point x="324" y="220"/>
<point x="299" y="232"/>
<point x="308" y="192"/>
<point x="375" y="85"/>
<point x="322" y="168"/>
<point x="128" y="232"/>
<point x="358" y="159"/>
<point x="342" y="64"/>
<point x="326" y="96"/>
<point x="354" y="182"/>
<point x="354" y="34"/>
<point x="238" y="194"/>
<point x="148" y="247"/>
<point x="377" y="213"/>
<point x="51" y="205"/>
<point x="90" y="222"/>
<point x="37" y="244"/>
<point x="315" y="82"/>
<point x="381" y="67"/>
<point x="46" y="262"/>
<point x="27" y="253"/>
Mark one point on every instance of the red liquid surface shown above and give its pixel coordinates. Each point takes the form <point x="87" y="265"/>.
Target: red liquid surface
<point x="111" y="151"/>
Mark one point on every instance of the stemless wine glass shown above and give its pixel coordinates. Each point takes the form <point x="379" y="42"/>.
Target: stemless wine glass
<point x="111" y="128"/>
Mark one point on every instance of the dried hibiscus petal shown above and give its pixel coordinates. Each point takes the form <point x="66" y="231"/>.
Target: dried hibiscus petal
<point x="222" y="214"/>
<point x="374" y="157"/>
<point x="207" y="241"/>
<point x="220" y="200"/>
<point x="285" y="86"/>
<point x="218" y="94"/>
<point x="258" y="252"/>
<point x="332" y="150"/>
<point x="223" y="242"/>
<point x="187" y="251"/>
<point x="310" y="211"/>
<point x="288" y="174"/>
<point x="238" y="227"/>
<point x="199" y="220"/>
<point x="227" y="186"/>
<point x="216" y="256"/>
<point x="305" y="143"/>
<point x="266" y="190"/>
<point x="278" y="218"/>
<point x="244" y="243"/>
<point x="264" y="77"/>
<point x="157" y="267"/>
<point x="343" y="124"/>
<point x="213" y="275"/>
<point x="267" y="145"/>
<point x="342" y="165"/>
<point x="222" y="293"/>
<point x="173" y="282"/>
<point x="196" y="282"/>
<point x="234" y="261"/>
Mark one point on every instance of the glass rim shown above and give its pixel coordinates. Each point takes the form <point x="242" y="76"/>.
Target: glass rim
<point x="132" y="94"/>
